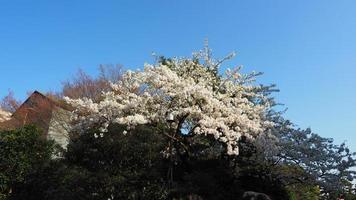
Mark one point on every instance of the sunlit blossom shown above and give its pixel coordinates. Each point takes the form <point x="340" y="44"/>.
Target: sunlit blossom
<point x="222" y="106"/>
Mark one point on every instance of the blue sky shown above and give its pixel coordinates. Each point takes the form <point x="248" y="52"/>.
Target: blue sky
<point x="308" y="48"/>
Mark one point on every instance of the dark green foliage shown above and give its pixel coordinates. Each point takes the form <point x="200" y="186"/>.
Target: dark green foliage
<point x="54" y="181"/>
<point x="119" y="166"/>
<point x="133" y="166"/>
<point x="213" y="175"/>
<point x="22" y="152"/>
<point x="115" y="166"/>
<point x="303" y="191"/>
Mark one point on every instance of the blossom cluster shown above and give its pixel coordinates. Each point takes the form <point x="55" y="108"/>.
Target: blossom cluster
<point x="199" y="98"/>
<point x="4" y="116"/>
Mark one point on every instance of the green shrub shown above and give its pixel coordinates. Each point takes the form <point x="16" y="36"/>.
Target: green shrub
<point x="22" y="152"/>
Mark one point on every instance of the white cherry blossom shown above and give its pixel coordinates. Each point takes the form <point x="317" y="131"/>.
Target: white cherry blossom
<point x="4" y="116"/>
<point x="200" y="99"/>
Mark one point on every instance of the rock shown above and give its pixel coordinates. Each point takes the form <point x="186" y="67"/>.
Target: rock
<point x="251" y="195"/>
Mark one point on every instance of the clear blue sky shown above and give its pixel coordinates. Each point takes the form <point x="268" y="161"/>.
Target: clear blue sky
<point x="308" y="48"/>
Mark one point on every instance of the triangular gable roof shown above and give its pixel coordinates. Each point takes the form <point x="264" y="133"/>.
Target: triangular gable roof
<point x="36" y="110"/>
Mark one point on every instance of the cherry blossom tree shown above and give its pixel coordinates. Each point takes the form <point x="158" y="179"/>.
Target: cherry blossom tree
<point x="319" y="160"/>
<point x="330" y="165"/>
<point x="188" y="96"/>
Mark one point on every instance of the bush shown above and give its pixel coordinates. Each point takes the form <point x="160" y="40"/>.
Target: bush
<point x="22" y="153"/>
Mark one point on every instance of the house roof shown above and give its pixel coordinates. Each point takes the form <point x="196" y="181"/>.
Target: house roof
<point x="36" y="110"/>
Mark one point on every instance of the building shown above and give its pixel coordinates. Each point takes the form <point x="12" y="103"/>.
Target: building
<point x="50" y="116"/>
